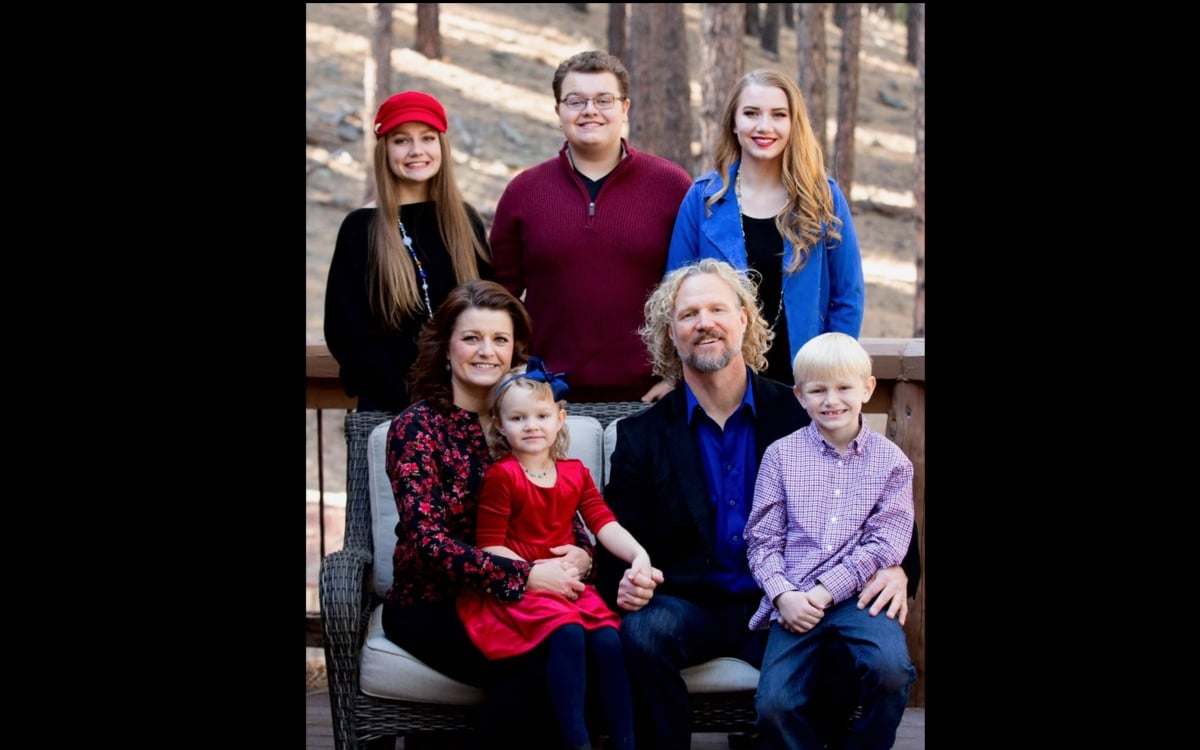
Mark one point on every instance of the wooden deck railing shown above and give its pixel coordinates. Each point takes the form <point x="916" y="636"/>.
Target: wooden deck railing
<point x="899" y="366"/>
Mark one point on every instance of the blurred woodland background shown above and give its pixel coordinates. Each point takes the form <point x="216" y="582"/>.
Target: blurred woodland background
<point x="860" y="66"/>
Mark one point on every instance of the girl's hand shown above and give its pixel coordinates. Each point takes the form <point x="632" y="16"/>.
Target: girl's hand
<point x="636" y="589"/>
<point x="576" y="556"/>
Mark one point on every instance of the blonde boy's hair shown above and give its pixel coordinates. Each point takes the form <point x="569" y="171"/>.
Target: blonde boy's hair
<point x="495" y="438"/>
<point x="830" y="356"/>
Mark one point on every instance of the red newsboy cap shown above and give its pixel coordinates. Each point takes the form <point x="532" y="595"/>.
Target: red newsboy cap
<point x="409" y="106"/>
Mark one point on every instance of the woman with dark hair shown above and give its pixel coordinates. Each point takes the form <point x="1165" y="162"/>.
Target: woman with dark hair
<point x="437" y="453"/>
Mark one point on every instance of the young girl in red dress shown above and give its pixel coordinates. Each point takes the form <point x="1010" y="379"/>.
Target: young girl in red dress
<point x="526" y="503"/>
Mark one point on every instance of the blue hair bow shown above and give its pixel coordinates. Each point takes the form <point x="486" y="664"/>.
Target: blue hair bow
<point x="536" y="370"/>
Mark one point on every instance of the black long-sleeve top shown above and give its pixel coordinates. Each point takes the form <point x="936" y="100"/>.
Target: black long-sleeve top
<point x="374" y="358"/>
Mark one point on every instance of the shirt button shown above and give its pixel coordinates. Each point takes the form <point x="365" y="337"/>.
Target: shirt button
<point x="836" y="493"/>
<point x="833" y="520"/>
<point x="829" y="548"/>
<point x="732" y="503"/>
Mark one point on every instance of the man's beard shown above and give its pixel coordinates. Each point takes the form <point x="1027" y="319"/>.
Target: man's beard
<point x="711" y="363"/>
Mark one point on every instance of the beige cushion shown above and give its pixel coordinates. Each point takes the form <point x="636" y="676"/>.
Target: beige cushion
<point x="724" y="674"/>
<point x="383" y="509"/>
<point x="610" y="442"/>
<point x="587" y="444"/>
<point x="388" y="671"/>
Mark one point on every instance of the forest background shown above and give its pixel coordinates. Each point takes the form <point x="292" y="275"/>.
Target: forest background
<point x="493" y="74"/>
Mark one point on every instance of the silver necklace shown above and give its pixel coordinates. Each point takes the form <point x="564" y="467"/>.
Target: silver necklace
<point x="737" y="190"/>
<point x="420" y="268"/>
<point x="537" y="474"/>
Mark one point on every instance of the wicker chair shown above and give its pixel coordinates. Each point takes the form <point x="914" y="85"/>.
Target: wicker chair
<point x="722" y="691"/>
<point x="605" y="412"/>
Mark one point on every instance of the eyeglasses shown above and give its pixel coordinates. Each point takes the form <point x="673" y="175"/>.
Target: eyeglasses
<point x="602" y="101"/>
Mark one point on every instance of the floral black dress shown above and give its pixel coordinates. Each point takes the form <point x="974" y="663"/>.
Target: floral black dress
<point x="435" y="463"/>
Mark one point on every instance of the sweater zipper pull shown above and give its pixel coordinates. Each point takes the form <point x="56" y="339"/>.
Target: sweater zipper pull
<point x="591" y="209"/>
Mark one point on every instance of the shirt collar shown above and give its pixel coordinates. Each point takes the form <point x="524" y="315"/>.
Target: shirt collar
<point x="747" y="397"/>
<point x="856" y="445"/>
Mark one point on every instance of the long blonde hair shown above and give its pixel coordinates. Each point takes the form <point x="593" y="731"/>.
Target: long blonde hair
<point x="393" y="286"/>
<point x="808" y="215"/>
<point x="496" y="440"/>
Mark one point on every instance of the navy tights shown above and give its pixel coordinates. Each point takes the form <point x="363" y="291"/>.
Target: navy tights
<point x="577" y="658"/>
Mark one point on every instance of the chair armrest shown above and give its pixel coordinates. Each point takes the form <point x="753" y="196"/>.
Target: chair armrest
<point x="345" y="603"/>
<point x="345" y="598"/>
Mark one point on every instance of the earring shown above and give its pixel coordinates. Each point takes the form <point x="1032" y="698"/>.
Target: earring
<point x="447" y="365"/>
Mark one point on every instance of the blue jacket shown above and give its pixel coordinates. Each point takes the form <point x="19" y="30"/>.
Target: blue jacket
<point x="828" y="294"/>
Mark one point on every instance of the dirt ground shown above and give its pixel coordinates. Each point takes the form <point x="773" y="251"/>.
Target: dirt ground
<point x="494" y="80"/>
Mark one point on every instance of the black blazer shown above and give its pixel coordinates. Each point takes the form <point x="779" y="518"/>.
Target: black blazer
<point x="658" y="491"/>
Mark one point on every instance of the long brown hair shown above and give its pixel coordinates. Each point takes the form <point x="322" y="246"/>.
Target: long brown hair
<point x="429" y="379"/>
<point x="808" y="215"/>
<point x="393" y="285"/>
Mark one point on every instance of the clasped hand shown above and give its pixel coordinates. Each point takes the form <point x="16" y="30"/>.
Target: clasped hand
<point x="637" y="584"/>
<point x="800" y="611"/>
<point x="560" y="575"/>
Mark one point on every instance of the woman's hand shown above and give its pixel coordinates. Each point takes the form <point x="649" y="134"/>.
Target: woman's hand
<point x="657" y="391"/>
<point x="557" y="576"/>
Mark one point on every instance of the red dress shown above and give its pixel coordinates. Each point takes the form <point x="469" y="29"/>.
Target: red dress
<point x="529" y="520"/>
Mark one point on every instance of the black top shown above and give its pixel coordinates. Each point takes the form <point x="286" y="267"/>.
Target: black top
<point x="374" y="358"/>
<point x="764" y="253"/>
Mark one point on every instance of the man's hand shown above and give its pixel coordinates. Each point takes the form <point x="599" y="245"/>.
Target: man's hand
<point x="636" y="589"/>
<point x="889" y="588"/>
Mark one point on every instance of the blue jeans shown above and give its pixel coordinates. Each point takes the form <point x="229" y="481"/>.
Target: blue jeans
<point x="664" y="637"/>
<point x="785" y="687"/>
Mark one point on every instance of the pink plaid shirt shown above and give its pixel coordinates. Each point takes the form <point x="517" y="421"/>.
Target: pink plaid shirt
<point x="819" y="516"/>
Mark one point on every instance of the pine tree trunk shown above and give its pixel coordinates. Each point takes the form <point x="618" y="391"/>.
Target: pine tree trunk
<point x="616" y="31"/>
<point x="770" y="30"/>
<point x="751" y="19"/>
<point x="915" y="18"/>
<point x="810" y="49"/>
<point x="429" y="35"/>
<point x="377" y="83"/>
<point x="722" y="60"/>
<point x="648" y="78"/>
<point x="843" y="154"/>
<point x="677" y="90"/>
